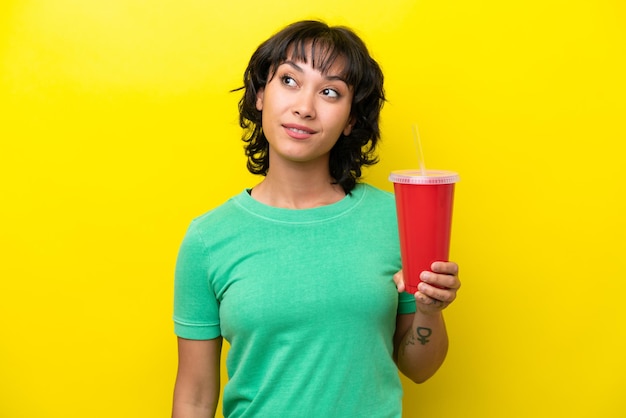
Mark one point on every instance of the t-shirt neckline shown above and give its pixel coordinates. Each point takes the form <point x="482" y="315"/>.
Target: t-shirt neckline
<point x="317" y="214"/>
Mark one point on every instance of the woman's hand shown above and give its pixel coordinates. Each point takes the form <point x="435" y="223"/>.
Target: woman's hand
<point x="437" y="289"/>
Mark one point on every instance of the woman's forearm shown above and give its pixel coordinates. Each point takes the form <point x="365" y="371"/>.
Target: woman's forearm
<point x="423" y="348"/>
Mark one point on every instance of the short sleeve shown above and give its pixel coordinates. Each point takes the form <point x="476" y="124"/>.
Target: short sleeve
<point x="196" y="315"/>
<point x="406" y="303"/>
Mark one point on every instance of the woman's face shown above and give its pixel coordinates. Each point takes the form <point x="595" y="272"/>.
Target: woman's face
<point x="304" y="112"/>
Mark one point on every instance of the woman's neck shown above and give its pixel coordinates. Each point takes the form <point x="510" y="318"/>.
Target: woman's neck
<point x="298" y="189"/>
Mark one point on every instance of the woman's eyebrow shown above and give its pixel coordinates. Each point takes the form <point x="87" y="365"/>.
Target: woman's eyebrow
<point x="335" y="77"/>
<point x="326" y="76"/>
<point x="294" y="65"/>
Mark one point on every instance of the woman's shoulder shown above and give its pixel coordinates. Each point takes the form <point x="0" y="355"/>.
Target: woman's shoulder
<point x="224" y="212"/>
<point x="372" y="192"/>
<point x="377" y="202"/>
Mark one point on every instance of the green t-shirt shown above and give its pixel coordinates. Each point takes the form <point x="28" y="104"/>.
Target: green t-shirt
<point x="306" y="300"/>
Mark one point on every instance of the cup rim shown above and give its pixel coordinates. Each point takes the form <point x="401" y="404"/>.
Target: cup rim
<point x="415" y="176"/>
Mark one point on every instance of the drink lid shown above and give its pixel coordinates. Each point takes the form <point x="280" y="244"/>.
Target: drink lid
<point x="429" y="177"/>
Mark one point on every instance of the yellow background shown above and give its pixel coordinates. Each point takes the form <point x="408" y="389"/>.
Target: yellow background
<point x="117" y="127"/>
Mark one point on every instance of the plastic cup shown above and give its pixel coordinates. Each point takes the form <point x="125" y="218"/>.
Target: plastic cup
<point x="424" y="207"/>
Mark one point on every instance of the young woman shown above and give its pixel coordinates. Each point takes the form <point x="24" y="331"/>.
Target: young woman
<point x="301" y="273"/>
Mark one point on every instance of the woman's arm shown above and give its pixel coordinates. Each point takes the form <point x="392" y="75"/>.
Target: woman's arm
<point x="197" y="386"/>
<point x="420" y="346"/>
<point x="421" y="340"/>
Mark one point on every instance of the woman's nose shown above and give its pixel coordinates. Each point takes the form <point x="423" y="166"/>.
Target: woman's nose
<point x="304" y="105"/>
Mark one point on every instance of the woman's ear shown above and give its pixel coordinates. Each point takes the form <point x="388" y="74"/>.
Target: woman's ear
<point x="348" y="129"/>
<point x="259" y="99"/>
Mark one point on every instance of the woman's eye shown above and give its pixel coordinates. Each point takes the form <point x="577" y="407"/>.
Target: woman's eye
<point x="288" y="81"/>
<point x="330" y="93"/>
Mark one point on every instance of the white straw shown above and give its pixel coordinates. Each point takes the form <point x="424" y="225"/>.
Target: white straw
<point x="418" y="148"/>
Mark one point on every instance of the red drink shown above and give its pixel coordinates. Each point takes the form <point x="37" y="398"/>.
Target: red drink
<point x="424" y="209"/>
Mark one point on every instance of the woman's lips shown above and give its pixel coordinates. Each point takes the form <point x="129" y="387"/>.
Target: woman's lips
<point x="298" y="131"/>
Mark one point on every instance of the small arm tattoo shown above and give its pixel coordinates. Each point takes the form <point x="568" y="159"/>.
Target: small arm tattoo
<point x="423" y="334"/>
